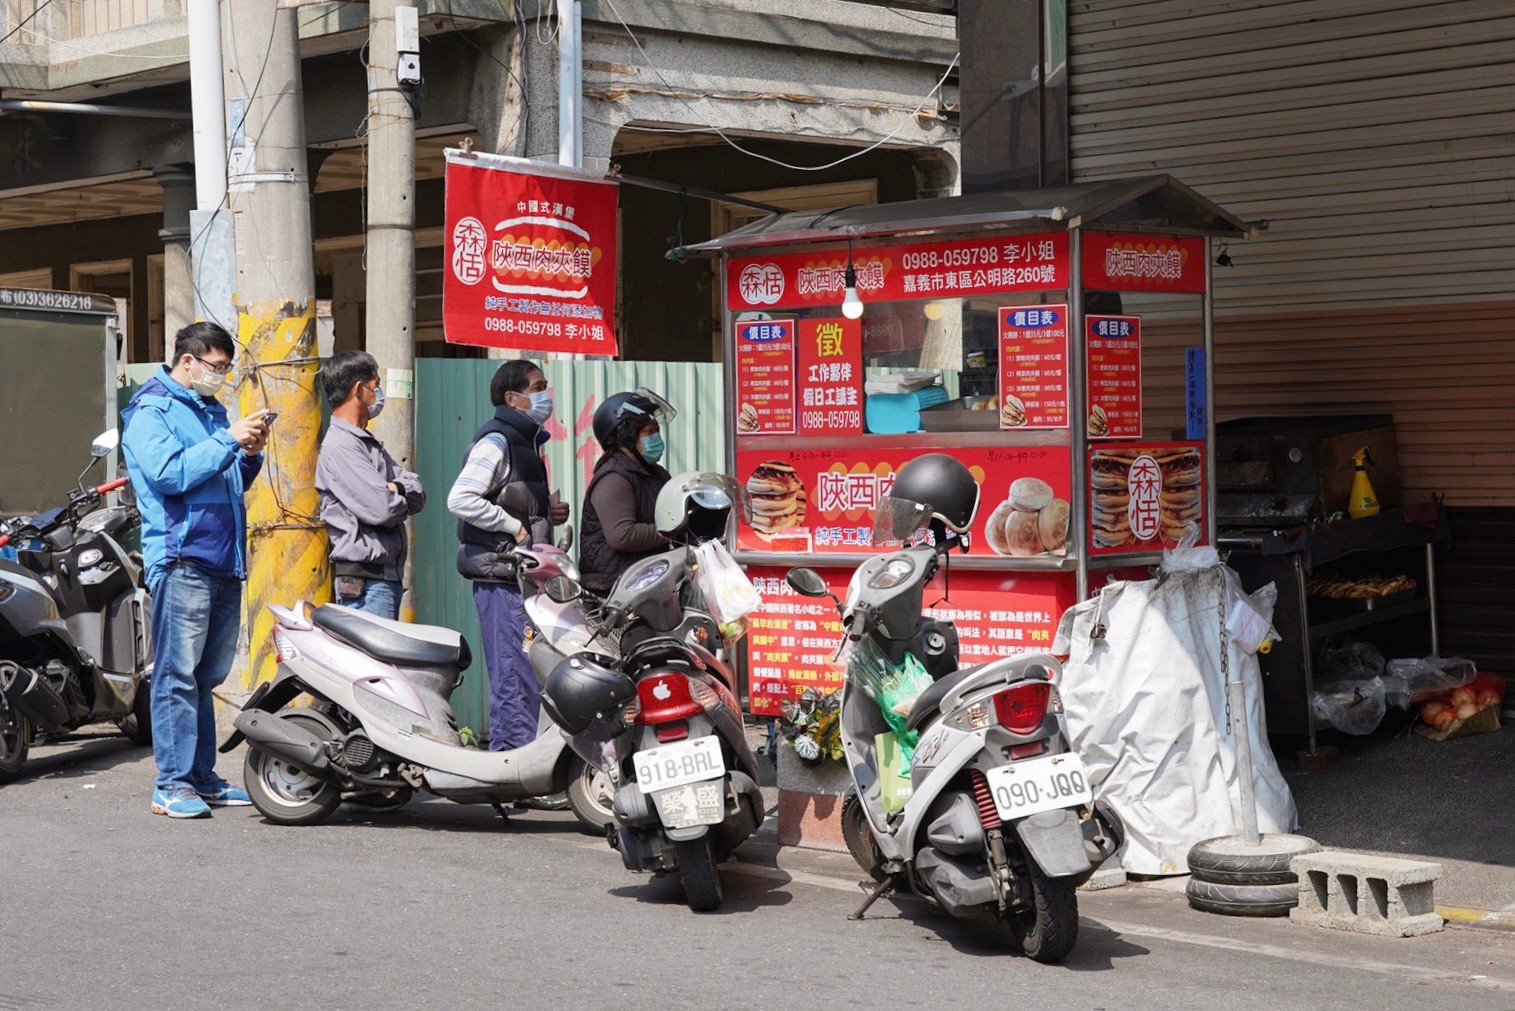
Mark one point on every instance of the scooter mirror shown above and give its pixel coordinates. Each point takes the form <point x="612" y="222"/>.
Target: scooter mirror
<point x="105" y="443"/>
<point x="807" y="582"/>
<point x="561" y="589"/>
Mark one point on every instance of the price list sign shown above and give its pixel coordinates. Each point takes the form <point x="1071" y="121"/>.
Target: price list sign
<point x="1033" y="366"/>
<point x="830" y="387"/>
<point x="1115" y="376"/>
<point x="765" y="377"/>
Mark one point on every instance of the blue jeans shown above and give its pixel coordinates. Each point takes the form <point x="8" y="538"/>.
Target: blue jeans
<point x="514" y="698"/>
<point x="196" y="618"/>
<point x="380" y="597"/>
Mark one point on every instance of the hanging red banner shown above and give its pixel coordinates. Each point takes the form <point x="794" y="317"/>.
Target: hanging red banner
<point x="765" y="377"/>
<point x="830" y="387"/>
<point x="1033" y="366"/>
<point x="1144" y="497"/>
<point x="889" y="273"/>
<point x="529" y="257"/>
<point x="1115" y="376"/>
<point x="1115" y="262"/>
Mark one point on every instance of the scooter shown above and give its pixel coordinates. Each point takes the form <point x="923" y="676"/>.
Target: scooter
<point x="651" y="703"/>
<point x="75" y="646"/>
<point x="1000" y="817"/>
<point x="381" y="724"/>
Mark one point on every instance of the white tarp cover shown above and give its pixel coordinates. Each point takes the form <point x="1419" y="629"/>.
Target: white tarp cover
<point x="1146" y="707"/>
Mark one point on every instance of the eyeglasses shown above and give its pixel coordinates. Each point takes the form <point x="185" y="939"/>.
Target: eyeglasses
<point x="221" y="369"/>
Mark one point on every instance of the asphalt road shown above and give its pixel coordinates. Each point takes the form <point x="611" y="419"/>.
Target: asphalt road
<point x="106" y="906"/>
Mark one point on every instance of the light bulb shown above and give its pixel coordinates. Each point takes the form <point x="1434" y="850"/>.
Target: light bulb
<point x="852" y="306"/>
<point x="933" y="310"/>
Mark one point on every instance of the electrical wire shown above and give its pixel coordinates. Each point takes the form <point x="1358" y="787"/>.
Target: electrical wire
<point x="941" y="83"/>
<point x="44" y="5"/>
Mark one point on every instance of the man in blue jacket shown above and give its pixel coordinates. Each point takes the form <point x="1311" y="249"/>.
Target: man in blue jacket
<point x="190" y="469"/>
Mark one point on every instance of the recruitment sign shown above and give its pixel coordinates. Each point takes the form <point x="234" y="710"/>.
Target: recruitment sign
<point x="529" y="256"/>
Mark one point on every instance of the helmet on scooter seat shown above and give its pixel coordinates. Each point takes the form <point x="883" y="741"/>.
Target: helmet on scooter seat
<point x="695" y="507"/>
<point x="584" y="696"/>
<point x="621" y="416"/>
<point x="943" y="486"/>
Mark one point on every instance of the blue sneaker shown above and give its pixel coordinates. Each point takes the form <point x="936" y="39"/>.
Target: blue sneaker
<point x="223" y="794"/>
<point x="180" y="803"/>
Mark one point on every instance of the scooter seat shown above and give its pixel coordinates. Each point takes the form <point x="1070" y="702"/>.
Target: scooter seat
<point x="929" y="700"/>
<point x="394" y="642"/>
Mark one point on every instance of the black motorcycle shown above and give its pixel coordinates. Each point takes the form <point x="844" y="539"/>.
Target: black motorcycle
<point x="75" y="646"/>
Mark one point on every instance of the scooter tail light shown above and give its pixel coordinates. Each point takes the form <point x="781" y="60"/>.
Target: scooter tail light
<point x="284" y="647"/>
<point x="1021" y="709"/>
<point x="631" y="713"/>
<point x="705" y="695"/>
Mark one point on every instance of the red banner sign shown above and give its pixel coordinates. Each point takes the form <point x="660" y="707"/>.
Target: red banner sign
<point x="529" y="257"/>
<point x="1114" y="262"/>
<point x="1033" y="366"/>
<point x="1145" y="496"/>
<point x="830" y="388"/>
<point x="822" y="500"/>
<point x="792" y="638"/>
<point x="1115" y="376"/>
<point x="765" y="377"/>
<point x="948" y="269"/>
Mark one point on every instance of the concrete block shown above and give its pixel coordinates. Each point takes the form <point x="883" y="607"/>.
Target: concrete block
<point x="1385" y="896"/>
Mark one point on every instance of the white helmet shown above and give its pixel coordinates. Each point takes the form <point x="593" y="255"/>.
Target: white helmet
<point x="696" y="506"/>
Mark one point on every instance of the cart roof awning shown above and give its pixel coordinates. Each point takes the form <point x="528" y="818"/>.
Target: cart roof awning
<point x="1157" y="203"/>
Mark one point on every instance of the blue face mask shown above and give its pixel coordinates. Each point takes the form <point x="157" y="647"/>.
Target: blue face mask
<point x="651" y="447"/>
<point x="541" y="407"/>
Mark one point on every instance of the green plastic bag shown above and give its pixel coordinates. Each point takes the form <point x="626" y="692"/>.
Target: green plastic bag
<point x="895" y="786"/>
<point x="894" y="687"/>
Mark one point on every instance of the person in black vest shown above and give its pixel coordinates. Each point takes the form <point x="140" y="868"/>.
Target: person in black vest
<point x="506" y="451"/>
<point x="617" y="527"/>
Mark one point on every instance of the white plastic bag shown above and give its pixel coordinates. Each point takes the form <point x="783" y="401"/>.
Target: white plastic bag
<point x="728" y="592"/>
<point x="1353" y="707"/>
<point x="1408" y="680"/>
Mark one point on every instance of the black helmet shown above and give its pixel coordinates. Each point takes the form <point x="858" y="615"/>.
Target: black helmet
<point x="621" y="415"/>
<point x="942" y="485"/>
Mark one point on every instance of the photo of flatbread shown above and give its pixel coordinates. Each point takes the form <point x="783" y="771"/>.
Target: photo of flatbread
<point x="747" y="419"/>
<point x="1181" y="500"/>
<point x="778" y="498"/>
<point x="1099" y="422"/>
<point x="1052" y="525"/>
<point x="994" y="528"/>
<point x="1023" y="534"/>
<point x="1030" y="521"/>
<point x="1030" y="494"/>
<point x="1012" y="412"/>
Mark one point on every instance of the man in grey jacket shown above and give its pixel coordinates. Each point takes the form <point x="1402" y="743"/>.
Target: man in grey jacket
<point x="365" y="495"/>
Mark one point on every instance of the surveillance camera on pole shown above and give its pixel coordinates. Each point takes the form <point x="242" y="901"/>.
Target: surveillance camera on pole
<point x="407" y="45"/>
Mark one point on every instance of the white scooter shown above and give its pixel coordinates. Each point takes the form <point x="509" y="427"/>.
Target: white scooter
<point x="999" y="817"/>
<point x="381" y="724"/>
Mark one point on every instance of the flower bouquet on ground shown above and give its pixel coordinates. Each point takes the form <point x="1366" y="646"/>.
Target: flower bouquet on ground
<point x="813" y="724"/>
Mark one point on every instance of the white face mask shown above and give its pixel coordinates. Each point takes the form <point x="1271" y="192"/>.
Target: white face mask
<point x="209" y="383"/>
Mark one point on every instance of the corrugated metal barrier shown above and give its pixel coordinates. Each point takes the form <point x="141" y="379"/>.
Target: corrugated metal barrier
<point x="452" y="400"/>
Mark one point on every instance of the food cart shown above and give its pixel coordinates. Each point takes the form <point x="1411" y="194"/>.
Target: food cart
<point x="1058" y="342"/>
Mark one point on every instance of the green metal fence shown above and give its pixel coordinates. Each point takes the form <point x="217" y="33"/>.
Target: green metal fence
<point x="452" y="400"/>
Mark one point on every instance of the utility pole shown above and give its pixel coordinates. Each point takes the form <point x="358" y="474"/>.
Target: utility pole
<point x="390" y="239"/>
<point x="267" y="176"/>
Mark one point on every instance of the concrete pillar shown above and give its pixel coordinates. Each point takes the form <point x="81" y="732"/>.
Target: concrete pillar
<point x="348" y="300"/>
<point x="178" y="182"/>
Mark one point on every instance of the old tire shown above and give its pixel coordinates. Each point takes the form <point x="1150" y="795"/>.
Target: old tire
<point x="284" y="793"/>
<point x="1242" y="900"/>
<point x="1048" y="930"/>
<point x="15" y="743"/>
<point x="697" y="870"/>
<point x="590" y="796"/>
<point x="1228" y="860"/>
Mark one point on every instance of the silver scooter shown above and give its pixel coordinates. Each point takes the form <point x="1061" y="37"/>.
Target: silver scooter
<point x="999" y="817"/>
<point x="381" y="724"/>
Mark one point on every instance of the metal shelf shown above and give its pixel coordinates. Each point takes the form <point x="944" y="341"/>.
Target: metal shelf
<point x="1347" y="623"/>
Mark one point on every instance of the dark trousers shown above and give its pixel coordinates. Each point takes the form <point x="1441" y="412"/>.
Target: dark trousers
<point x="514" y="698"/>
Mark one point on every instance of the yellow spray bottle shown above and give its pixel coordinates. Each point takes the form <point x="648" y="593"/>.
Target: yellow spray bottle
<point x="1363" y="500"/>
